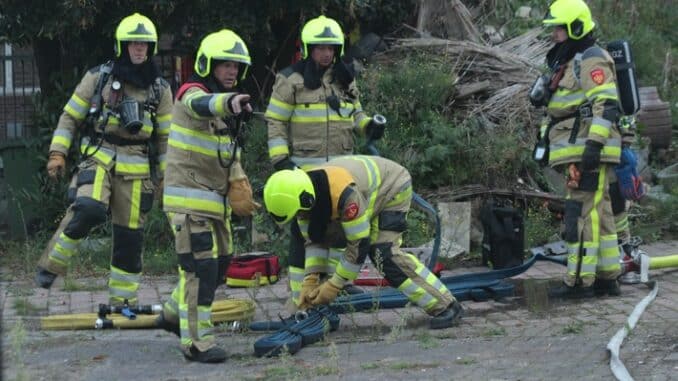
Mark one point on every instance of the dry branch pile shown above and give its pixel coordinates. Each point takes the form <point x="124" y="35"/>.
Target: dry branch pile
<point x="492" y="80"/>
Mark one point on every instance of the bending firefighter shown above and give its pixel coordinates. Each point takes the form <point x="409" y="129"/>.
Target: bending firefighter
<point x="581" y="137"/>
<point x="122" y="110"/>
<point x="360" y="203"/>
<point x="314" y="112"/>
<point x="204" y="177"/>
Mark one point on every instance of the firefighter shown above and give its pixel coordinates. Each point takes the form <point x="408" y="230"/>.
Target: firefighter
<point x="360" y="203"/>
<point x="204" y="181"/>
<point x="314" y="112"/>
<point x="121" y="110"/>
<point x="583" y="140"/>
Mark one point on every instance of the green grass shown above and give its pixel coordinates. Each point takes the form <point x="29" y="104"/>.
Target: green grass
<point x="403" y="365"/>
<point x="24" y="307"/>
<point x="494" y="331"/>
<point x="574" y="328"/>
<point x="427" y="341"/>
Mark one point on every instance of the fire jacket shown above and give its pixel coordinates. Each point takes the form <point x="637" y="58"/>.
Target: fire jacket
<point x="200" y="158"/>
<point x="119" y="149"/>
<point x="584" y="107"/>
<point x="359" y="189"/>
<point x="302" y="124"/>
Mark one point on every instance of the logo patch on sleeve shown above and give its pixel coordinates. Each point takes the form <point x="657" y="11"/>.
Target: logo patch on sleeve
<point x="598" y="76"/>
<point x="351" y="211"/>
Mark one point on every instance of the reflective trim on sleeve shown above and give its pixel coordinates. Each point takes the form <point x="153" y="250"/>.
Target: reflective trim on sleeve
<point x="279" y="110"/>
<point x="76" y="107"/>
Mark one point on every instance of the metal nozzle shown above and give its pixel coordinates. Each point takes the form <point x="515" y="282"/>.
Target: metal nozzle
<point x="379" y="119"/>
<point x="300" y="315"/>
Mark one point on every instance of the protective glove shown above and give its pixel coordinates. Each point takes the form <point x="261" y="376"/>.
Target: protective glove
<point x="238" y="103"/>
<point x="285" y="163"/>
<point x="327" y="292"/>
<point x="590" y="160"/>
<point x="374" y="131"/>
<point x="310" y="283"/>
<point x="56" y="165"/>
<point x="240" y="198"/>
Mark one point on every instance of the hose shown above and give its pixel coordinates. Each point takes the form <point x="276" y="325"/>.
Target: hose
<point x="291" y="337"/>
<point x="229" y="310"/>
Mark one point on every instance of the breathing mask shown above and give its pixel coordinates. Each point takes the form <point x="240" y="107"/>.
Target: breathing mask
<point x="540" y="93"/>
<point x="131" y="114"/>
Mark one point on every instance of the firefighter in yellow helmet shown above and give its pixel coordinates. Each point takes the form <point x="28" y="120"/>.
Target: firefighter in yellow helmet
<point x="314" y="112"/>
<point x="204" y="181"/>
<point x="580" y="137"/>
<point x="360" y="203"/>
<point x="120" y="110"/>
<point x="315" y="108"/>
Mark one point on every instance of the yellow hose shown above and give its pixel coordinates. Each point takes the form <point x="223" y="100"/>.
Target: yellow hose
<point x="226" y="310"/>
<point x="664" y="262"/>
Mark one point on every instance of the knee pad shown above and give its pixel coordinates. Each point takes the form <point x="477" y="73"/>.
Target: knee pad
<point x="87" y="213"/>
<point x="616" y="199"/>
<point x="381" y="255"/>
<point x="206" y="272"/>
<point x="127" y="246"/>
<point x="393" y="220"/>
<point x="224" y="261"/>
<point x="573" y="211"/>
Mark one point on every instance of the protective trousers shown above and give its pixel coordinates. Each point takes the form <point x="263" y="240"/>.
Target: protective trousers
<point x="590" y="231"/>
<point x="96" y="190"/>
<point x="403" y="270"/>
<point x="203" y="247"/>
<point x="621" y="218"/>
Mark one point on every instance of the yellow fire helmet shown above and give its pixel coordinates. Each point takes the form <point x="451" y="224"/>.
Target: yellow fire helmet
<point x="322" y="31"/>
<point x="136" y="27"/>
<point x="574" y="15"/>
<point x="223" y="45"/>
<point x="286" y="192"/>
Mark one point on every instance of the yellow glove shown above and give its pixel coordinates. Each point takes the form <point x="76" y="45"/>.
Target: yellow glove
<point x="56" y="165"/>
<point x="240" y="198"/>
<point x="327" y="292"/>
<point x="310" y="283"/>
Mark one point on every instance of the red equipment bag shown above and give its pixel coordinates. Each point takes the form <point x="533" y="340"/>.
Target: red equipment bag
<point x="251" y="270"/>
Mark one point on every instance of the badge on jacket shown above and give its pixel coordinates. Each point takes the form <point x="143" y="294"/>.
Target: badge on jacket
<point x="598" y="76"/>
<point x="351" y="211"/>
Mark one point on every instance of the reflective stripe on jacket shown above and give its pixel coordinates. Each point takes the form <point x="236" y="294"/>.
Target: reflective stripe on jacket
<point x="588" y="81"/>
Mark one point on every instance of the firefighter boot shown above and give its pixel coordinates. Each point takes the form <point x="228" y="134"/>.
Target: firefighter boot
<point x="448" y="317"/>
<point x="567" y="292"/>
<point x="167" y="325"/>
<point x="212" y="355"/>
<point x="45" y="278"/>
<point x="602" y="287"/>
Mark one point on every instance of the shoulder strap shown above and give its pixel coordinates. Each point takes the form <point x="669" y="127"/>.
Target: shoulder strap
<point x="576" y="67"/>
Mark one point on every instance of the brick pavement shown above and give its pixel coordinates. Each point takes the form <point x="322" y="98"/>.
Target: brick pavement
<point x="499" y="340"/>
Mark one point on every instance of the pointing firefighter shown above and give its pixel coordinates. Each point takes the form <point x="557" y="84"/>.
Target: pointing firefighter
<point x="581" y="136"/>
<point x="361" y="203"/>
<point x="119" y="109"/>
<point x="205" y="178"/>
<point x="314" y="112"/>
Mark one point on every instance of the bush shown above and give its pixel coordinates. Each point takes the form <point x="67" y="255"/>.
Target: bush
<point x="424" y="136"/>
